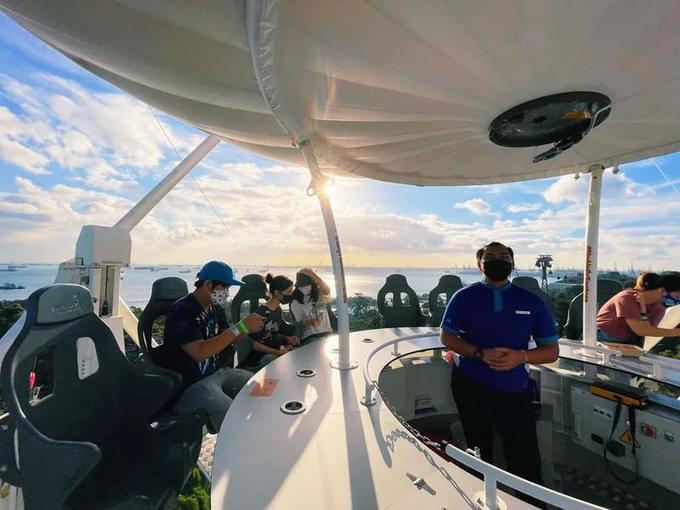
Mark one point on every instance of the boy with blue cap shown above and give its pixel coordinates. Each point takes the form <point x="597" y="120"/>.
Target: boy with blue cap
<point x="194" y="342"/>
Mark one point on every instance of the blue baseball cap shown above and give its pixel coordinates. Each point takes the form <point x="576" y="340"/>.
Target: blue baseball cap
<point x="218" y="271"/>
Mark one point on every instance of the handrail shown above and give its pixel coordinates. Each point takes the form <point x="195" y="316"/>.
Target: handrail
<point x="368" y="399"/>
<point x="493" y="475"/>
<point x="581" y="349"/>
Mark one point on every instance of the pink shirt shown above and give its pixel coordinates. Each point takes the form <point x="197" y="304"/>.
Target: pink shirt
<point x="612" y="316"/>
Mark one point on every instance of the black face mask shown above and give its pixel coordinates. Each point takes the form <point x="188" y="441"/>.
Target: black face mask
<point x="497" y="270"/>
<point x="286" y="299"/>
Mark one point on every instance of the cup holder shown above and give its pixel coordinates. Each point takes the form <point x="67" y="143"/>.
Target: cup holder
<point x="293" y="407"/>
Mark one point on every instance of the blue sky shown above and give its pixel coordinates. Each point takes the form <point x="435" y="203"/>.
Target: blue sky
<point x="75" y="150"/>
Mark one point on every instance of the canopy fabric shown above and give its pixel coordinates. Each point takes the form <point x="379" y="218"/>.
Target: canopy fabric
<point x="394" y="90"/>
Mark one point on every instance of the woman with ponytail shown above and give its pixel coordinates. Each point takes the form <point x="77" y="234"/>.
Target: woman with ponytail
<point x="277" y="337"/>
<point x="635" y="313"/>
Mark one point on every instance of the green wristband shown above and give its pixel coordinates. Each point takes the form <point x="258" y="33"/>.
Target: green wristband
<point x="242" y="326"/>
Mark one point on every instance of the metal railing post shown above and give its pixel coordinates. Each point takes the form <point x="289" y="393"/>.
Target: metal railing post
<point x="591" y="252"/>
<point x="317" y="187"/>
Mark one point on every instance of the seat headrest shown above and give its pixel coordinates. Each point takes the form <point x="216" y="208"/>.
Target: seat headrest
<point x="60" y="302"/>
<point x="170" y="288"/>
<point x="526" y="282"/>
<point x="450" y="280"/>
<point x="396" y="280"/>
<point x="253" y="282"/>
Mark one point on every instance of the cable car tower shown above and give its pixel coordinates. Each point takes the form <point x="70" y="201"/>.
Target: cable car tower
<point x="545" y="263"/>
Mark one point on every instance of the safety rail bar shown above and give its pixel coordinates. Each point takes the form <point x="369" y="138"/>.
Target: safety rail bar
<point x="493" y="476"/>
<point x="592" y="351"/>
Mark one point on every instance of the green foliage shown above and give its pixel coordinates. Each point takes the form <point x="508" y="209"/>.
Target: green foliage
<point x="363" y="313"/>
<point x="560" y="301"/>
<point x="9" y="314"/>
<point x="195" y="494"/>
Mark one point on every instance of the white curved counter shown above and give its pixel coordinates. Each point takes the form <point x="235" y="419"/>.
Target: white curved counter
<point x="337" y="453"/>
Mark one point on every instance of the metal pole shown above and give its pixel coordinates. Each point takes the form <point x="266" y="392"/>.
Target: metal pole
<point x="317" y="187"/>
<point x="590" y="268"/>
<point x="142" y="208"/>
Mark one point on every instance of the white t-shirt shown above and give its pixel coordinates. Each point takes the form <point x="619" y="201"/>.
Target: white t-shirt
<point x="307" y="311"/>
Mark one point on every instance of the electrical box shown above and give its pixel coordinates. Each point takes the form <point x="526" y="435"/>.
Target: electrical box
<point x="657" y="428"/>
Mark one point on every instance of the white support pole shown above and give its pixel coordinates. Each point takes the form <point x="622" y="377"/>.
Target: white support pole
<point x="142" y="208"/>
<point x="590" y="268"/>
<point x="317" y="187"/>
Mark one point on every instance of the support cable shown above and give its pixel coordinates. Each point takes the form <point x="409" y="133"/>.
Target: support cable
<point x="198" y="187"/>
<point x="670" y="183"/>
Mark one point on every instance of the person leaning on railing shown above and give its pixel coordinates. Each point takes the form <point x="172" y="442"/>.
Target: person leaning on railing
<point x="632" y="314"/>
<point x="489" y="325"/>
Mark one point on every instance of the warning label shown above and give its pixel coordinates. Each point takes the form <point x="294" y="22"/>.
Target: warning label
<point x="264" y="388"/>
<point x="627" y="438"/>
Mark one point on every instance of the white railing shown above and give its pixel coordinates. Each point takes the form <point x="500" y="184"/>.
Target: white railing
<point x="591" y="352"/>
<point x="488" y="500"/>
<point x="650" y="366"/>
<point x="369" y="388"/>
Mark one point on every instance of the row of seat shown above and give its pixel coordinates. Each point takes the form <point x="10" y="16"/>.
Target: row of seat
<point x="399" y="305"/>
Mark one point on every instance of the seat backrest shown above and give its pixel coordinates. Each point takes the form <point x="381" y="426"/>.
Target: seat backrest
<point x="164" y="292"/>
<point x="526" y="282"/>
<point x="249" y="296"/>
<point x="71" y="393"/>
<point x="531" y="284"/>
<point x="606" y="289"/>
<point x="398" y="303"/>
<point x="440" y="296"/>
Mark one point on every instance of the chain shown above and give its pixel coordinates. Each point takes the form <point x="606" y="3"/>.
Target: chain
<point x="418" y="440"/>
<point x="440" y="447"/>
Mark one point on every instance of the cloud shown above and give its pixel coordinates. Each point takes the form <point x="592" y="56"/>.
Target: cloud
<point x="13" y="150"/>
<point x="475" y="206"/>
<point x="526" y="207"/>
<point x="106" y="139"/>
<point x="569" y="189"/>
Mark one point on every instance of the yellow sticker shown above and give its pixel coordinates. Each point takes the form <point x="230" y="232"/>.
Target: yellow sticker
<point x="627" y="438"/>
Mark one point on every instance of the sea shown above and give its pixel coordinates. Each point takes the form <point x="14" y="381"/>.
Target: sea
<point x="137" y="280"/>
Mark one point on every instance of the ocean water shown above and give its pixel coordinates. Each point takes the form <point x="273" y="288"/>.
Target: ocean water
<point x="136" y="283"/>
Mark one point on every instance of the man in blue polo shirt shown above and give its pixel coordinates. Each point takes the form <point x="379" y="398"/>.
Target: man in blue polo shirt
<point x="193" y="342"/>
<point x="489" y="325"/>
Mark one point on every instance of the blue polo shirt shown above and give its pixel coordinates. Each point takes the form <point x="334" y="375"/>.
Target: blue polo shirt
<point x="489" y="316"/>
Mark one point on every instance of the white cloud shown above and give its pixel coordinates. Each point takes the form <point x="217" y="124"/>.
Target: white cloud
<point x="475" y="206"/>
<point x="569" y="189"/>
<point x="103" y="138"/>
<point x="526" y="207"/>
<point x="503" y="224"/>
<point x="17" y="154"/>
<point x="12" y="150"/>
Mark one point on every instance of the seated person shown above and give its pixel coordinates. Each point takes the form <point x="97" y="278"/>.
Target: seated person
<point x="635" y="313"/>
<point x="277" y="337"/>
<point x="308" y="307"/>
<point x="192" y="345"/>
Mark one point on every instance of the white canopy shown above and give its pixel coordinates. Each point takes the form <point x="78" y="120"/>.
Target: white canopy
<point x="395" y="90"/>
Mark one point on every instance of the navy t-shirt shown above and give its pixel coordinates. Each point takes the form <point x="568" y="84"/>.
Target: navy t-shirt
<point x="508" y="316"/>
<point x="185" y="322"/>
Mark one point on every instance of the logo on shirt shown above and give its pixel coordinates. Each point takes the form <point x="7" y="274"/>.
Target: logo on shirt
<point x="522" y="312"/>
